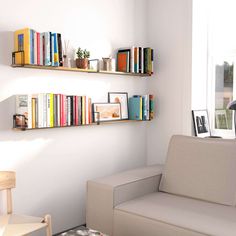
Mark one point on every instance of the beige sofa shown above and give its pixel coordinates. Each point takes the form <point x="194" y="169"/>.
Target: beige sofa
<point x="194" y="194"/>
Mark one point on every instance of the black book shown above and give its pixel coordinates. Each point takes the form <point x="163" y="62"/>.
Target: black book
<point x="60" y="49"/>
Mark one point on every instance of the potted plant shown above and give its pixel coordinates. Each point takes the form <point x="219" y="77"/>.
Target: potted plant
<point x="82" y="58"/>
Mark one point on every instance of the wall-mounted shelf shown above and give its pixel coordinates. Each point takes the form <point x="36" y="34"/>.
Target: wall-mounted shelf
<point x="92" y="124"/>
<point x="79" y="70"/>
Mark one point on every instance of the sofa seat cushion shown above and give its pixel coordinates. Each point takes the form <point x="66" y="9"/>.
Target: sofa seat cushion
<point x="196" y="215"/>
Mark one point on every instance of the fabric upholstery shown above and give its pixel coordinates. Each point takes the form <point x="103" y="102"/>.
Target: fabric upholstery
<point x="201" y="168"/>
<point x="195" y="215"/>
<point x="105" y="193"/>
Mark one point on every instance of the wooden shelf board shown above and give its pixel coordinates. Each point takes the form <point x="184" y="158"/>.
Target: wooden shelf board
<point x="92" y="124"/>
<point x="79" y="70"/>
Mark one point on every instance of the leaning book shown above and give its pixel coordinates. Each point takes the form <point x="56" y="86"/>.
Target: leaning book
<point x="23" y="107"/>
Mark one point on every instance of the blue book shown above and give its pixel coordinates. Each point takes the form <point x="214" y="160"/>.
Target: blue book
<point x="135" y="108"/>
<point x="31" y="46"/>
<point x="56" y="55"/>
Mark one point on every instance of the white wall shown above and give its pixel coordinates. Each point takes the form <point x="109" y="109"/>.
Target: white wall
<point x="170" y="31"/>
<point x="53" y="165"/>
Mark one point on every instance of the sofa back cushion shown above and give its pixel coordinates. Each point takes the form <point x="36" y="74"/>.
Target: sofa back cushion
<point x="201" y="168"/>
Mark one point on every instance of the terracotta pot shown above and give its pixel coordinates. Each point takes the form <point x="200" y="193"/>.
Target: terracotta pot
<point x="82" y="63"/>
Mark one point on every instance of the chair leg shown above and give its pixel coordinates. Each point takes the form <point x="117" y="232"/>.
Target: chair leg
<point x="48" y="221"/>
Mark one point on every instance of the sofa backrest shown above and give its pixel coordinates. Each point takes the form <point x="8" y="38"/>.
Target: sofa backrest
<point x="201" y="168"/>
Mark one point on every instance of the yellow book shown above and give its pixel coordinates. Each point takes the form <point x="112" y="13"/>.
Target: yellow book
<point x="51" y="110"/>
<point x="33" y="113"/>
<point x="22" y="43"/>
<point x="141" y="109"/>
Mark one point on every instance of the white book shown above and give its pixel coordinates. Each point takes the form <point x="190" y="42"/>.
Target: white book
<point x="48" y="110"/>
<point x="23" y="106"/>
<point x="35" y="48"/>
<point x="44" y="110"/>
<point x="41" y="49"/>
<point x="52" y="48"/>
<point x="132" y="60"/>
<point x="137" y="69"/>
<point x="58" y="110"/>
<point x="47" y="61"/>
<point x="142" y="62"/>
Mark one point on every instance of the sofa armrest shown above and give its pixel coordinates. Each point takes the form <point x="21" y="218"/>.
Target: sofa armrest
<point x="105" y="193"/>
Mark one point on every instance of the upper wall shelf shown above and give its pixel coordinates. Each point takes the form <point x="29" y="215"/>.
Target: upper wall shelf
<point x="79" y="70"/>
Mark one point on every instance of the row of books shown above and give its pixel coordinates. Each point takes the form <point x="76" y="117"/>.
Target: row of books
<point x="43" y="49"/>
<point x="135" y="60"/>
<point x="141" y="107"/>
<point x="52" y="110"/>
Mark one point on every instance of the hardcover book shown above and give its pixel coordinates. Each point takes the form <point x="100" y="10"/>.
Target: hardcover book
<point x="135" y="108"/>
<point x="22" y="42"/>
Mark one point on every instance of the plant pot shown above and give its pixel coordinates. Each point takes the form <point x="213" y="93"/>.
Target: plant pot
<point x="82" y="63"/>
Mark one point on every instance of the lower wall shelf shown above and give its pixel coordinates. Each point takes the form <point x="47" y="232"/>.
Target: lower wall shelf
<point x="92" y="124"/>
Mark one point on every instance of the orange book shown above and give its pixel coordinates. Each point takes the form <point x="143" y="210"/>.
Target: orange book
<point x="123" y="61"/>
<point x="33" y="113"/>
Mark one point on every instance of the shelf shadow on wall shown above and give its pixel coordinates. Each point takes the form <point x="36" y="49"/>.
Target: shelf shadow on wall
<point x="7" y="107"/>
<point x="6" y="47"/>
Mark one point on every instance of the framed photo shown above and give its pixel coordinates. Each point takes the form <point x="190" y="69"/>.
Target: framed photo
<point x="122" y="98"/>
<point x="106" y="112"/>
<point x="94" y="64"/>
<point x="221" y="119"/>
<point x="201" y="123"/>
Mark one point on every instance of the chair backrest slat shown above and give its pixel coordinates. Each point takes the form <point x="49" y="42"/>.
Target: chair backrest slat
<point x="7" y="180"/>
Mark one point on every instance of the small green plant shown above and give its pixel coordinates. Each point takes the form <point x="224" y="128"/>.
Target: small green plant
<point x="81" y="54"/>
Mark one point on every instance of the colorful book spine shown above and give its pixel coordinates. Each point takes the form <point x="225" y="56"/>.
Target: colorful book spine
<point x="135" y="108"/>
<point x="56" y="55"/>
<point x="41" y="46"/>
<point x="145" y="108"/>
<point x="52" y="48"/>
<point x="58" y="110"/>
<point x="38" y="48"/>
<point x="152" y="61"/>
<point x="35" y="48"/>
<point x="47" y="60"/>
<point x="151" y="109"/>
<point x="83" y="110"/>
<point x="80" y="110"/>
<point x="68" y="99"/>
<point x="132" y="60"/>
<point x="55" y="110"/>
<point x="40" y="110"/>
<point x="59" y="41"/>
<point x="31" y="46"/>
<point x="33" y="113"/>
<point x="51" y="120"/>
<point x="45" y="123"/>
<point x="22" y="43"/>
<point x="123" y="60"/>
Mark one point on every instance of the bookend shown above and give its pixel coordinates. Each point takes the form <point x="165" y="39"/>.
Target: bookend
<point x="22" y="58"/>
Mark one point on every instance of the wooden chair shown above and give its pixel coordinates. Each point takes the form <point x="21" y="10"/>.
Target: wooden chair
<point x="16" y="225"/>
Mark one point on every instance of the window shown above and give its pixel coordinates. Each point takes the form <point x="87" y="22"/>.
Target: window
<point x="221" y="65"/>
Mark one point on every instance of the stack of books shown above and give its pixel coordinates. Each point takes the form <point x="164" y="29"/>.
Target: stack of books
<point x="141" y="107"/>
<point x="135" y="60"/>
<point x="53" y="110"/>
<point x="44" y="49"/>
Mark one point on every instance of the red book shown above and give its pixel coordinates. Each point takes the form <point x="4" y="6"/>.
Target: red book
<point x="38" y="48"/>
<point x="76" y="110"/>
<point x="62" y="110"/>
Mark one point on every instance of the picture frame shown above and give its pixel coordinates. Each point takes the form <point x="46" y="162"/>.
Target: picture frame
<point x="94" y="64"/>
<point x="201" y="123"/>
<point x="106" y="112"/>
<point x="122" y="98"/>
<point x="221" y="119"/>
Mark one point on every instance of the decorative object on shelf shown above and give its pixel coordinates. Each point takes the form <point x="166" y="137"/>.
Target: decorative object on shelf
<point x="232" y="106"/>
<point x="94" y="65"/>
<point x="19" y="121"/>
<point x="122" y="98"/>
<point x="106" y="112"/>
<point x="82" y="58"/>
<point x="221" y="119"/>
<point x="107" y="63"/>
<point x="201" y="123"/>
<point x="66" y="61"/>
